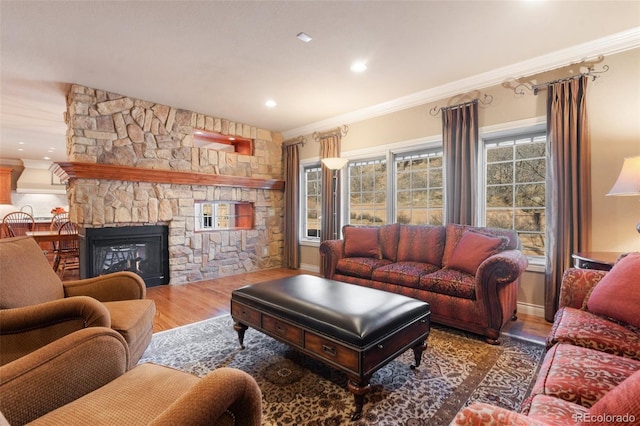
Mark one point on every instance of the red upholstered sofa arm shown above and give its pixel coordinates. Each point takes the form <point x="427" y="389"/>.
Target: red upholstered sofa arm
<point x="577" y="285"/>
<point x="331" y="252"/>
<point x="497" y="282"/>
<point x="480" y="413"/>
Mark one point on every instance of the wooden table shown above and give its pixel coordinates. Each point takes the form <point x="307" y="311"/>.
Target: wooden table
<point x="44" y="236"/>
<point x="600" y="260"/>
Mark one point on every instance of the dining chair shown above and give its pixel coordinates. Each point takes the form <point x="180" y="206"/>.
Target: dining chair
<point x="67" y="250"/>
<point x="17" y="223"/>
<point x="58" y="220"/>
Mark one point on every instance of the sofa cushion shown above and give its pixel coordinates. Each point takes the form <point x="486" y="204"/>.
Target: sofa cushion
<point x="621" y="405"/>
<point x="403" y="273"/>
<point x="454" y="232"/>
<point x="580" y="375"/>
<point x="421" y="243"/>
<point x="616" y="295"/>
<point x="582" y="328"/>
<point x="450" y="282"/>
<point x="388" y="241"/>
<point x="361" y="267"/>
<point x="473" y="249"/>
<point x="361" y="241"/>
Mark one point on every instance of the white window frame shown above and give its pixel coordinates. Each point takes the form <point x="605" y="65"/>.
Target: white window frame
<point x="510" y="130"/>
<point x="303" y="238"/>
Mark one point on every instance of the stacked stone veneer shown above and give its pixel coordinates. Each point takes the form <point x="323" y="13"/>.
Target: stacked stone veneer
<point x="107" y="128"/>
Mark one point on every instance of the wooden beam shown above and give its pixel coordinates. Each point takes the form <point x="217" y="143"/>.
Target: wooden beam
<point x="76" y="170"/>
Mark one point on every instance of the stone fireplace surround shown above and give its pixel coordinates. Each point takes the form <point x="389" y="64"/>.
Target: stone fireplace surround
<point x="110" y="135"/>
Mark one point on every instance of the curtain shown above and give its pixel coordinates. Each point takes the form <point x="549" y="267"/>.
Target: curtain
<point x="330" y="147"/>
<point x="568" y="207"/>
<point x="291" y="206"/>
<point x="460" y="142"/>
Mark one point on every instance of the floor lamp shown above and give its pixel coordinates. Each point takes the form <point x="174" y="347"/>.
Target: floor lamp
<point x="334" y="164"/>
<point x="628" y="182"/>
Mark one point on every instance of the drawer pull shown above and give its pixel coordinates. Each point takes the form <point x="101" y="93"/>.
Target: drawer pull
<point x="245" y="313"/>
<point x="380" y="346"/>
<point x="329" y="350"/>
<point x="280" y="329"/>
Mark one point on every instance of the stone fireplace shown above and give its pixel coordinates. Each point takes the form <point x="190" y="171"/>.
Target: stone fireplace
<point x="133" y="163"/>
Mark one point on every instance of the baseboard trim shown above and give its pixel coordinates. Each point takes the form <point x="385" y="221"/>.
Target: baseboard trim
<point x="529" y="309"/>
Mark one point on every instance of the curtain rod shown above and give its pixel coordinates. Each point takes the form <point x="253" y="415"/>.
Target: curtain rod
<point x="342" y="131"/>
<point x="519" y="85"/>
<point x="485" y="100"/>
<point x="300" y="140"/>
<point x="543" y="86"/>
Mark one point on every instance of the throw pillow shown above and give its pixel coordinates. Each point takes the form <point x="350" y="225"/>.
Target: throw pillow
<point x="473" y="249"/>
<point x="619" y="406"/>
<point x="616" y="295"/>
<point x="361" y="241"/>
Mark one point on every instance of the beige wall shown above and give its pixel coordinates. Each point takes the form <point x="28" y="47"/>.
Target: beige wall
<point x="614" y="111"/>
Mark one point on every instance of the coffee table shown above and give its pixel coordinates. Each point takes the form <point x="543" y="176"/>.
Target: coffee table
<point x="354" y="329"/>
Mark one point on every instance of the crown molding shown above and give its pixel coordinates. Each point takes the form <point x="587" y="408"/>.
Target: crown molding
<point x="609" y="45"/>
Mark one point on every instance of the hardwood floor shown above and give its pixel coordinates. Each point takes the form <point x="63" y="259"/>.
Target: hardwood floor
<point x="178" y="305"/>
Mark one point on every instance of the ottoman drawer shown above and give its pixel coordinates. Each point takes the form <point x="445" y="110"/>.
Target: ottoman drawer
<point x="283" y="330"/>
<point x="333" y="352"/>
<point x="245" y="314"/>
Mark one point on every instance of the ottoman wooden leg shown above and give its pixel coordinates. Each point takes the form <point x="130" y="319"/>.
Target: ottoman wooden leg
<point x="240" y="329"/>
<point x="358" y="391"/>
<point x="417" y="353"/>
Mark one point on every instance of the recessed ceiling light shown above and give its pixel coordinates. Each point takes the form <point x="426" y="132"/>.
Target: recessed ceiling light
<point x="302" y="36"/>
<point x="358" y="67"/>
<point x="20" y="149"/>
<point x="46" y="158"/>
<point x="20" y="143"/>
<point x="270" y="103"/>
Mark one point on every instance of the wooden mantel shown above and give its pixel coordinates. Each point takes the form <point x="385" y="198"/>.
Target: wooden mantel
<point x="76" y="170"/>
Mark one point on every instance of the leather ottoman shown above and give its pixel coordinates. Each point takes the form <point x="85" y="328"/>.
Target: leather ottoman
<point x="354" y="329"/>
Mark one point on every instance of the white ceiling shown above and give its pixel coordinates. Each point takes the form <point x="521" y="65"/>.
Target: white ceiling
<point x="226" y="59"/>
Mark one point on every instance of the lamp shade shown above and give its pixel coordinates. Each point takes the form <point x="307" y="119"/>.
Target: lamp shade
<point x="334" y="163"/>
<point x="628" y="182"/>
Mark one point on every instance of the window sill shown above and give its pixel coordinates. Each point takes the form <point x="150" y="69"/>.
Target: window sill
<point x="310" y="243"/>
<point x="537" y="265"/>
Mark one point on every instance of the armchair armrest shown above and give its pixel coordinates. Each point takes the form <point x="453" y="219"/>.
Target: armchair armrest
<point x="496" y="285"/>
<point x="61" y="372"/>
<point x="489" y="415"/>
<point x="223" y="389"/>
<point x="108" y="288"/>
<point x="577" y="285"/>
<point x="27" y="329"/>
<point x="330" y="252"/>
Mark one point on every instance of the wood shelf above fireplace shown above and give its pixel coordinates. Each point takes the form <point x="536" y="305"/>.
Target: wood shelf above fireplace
<point x="77" y="170"/>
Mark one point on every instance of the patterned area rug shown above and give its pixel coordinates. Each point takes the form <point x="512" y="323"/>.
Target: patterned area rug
<point x="457" y="369"/>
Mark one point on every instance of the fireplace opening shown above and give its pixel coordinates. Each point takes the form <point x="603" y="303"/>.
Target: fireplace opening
<point x="143" y="250"/>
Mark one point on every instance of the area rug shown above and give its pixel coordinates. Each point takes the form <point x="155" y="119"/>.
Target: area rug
<point x="457" y="369"/>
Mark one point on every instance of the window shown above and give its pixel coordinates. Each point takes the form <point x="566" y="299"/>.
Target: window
<point x="514" y="190"/>
<point x="216" y="215"/>
<point x="368" y="192"/>
<point x="419" y="188"/>
<point x="313" y="197"/>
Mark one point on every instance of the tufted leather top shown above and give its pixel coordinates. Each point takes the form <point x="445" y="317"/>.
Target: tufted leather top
<point x="351" y="313"/>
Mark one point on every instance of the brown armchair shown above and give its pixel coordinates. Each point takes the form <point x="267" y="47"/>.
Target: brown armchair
<point x="36" y="307"/>
<point x="82" y="378"/>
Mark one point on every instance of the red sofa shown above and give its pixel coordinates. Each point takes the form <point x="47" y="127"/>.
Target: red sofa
<point x="591" y="372"/>
<point x="469" y="275"/>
